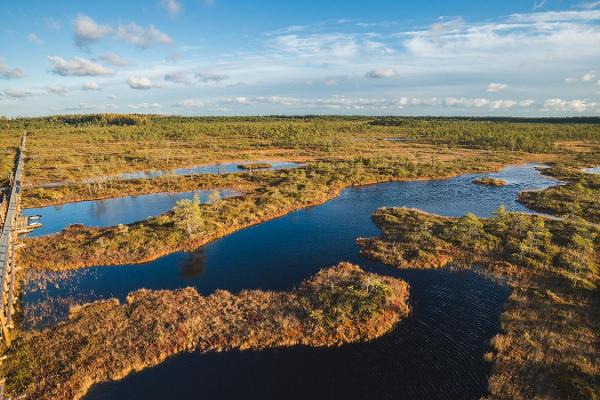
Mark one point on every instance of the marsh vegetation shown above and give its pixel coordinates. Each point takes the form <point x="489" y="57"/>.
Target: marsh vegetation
<point x="338" y="305"/>
<point x="548" y="341"/>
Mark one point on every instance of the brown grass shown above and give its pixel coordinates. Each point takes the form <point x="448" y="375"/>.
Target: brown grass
<point x="547" y="347"/>
<point x="107" y="340"/>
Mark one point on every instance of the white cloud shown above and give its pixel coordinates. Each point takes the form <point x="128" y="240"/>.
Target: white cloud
<point x="178" y="77"/>
<point x="469" y="103"/>
<point x="567" y="105"/>
<point x="588" y="77"/>
<point x="33" y="38"/>
<point x="61" y="90"/>
<point x="502" y="104"/>
<point x="7" y="72"/>
<point x="19" y="94"/>
<point x="139" y="106"/>
<point x="77" y="67"/>
<point x="172" y="7"/>
<point x="144" y="38"/>
<point x="90" y="86"/>
<point x="114" y="59"/>
<point x="526" y="103"/>
<point x="496" y="87"/>
<point x="141" y="83"/>
<point x="88" y="31"/>
<point x="210" y="77"/>
<point x="84" y="107"/>
<point x="318" y="45"/>
<point x="381" y="73"/>
<point x="571" y="80"/>
<point x="190" y="103"/>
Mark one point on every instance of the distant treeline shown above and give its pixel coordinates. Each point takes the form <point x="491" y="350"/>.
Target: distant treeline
<point x="399" y="121"/>
<point x="322" y="132"/>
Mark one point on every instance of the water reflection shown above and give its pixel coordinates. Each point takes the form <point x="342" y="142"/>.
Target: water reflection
<point x="194" y="266"/>
<point x="437" y="353"/>
<point x="110" y="212"/>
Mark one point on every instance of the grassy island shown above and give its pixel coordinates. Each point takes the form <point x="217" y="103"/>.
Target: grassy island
<point x="341" y="304"/>
<point x="489" y="182"/>
<point x="548" y="341"/>
<point x="579" y="196"/>
<point x="255" y="165"/>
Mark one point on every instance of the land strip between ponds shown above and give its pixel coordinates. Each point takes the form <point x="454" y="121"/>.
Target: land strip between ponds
<point x="78" y="246"/>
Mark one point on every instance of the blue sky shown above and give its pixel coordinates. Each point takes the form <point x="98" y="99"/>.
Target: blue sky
<point x="226" y="57"/>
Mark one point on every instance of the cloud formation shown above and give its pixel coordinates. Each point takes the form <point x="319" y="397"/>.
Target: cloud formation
<point x="139" y="106"/>
<point x="7" y="72"/>
<point x="178" y="77"/>
<point x="210" y="77"/>
<point x="172" y="7"/>
<point x="496" y="87"/>
<point x="114" y="59"/>
<point x="77" y="67"/>
<point x="60" y="90"/>
<point x="568" y="105"/>
<point x="20" y="94"/>
<point x="33" y="38"/>
<point x="88" y="31"/>
<point x="90" y="86"/>
<point x="133" y="33"/>
<point x="141" y="83"/>
<point x="381" y="73"/>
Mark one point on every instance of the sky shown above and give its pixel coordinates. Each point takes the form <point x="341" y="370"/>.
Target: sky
<point x="239" y="57"/>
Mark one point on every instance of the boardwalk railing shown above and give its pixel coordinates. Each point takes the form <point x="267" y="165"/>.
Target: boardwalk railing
<point x="8" y="237"/>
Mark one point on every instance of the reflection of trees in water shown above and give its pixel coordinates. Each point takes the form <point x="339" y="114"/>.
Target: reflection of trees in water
<point x="194" y="265"/>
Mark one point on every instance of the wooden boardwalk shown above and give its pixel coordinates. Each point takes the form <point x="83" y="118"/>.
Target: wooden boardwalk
<point x="8" y="238"/>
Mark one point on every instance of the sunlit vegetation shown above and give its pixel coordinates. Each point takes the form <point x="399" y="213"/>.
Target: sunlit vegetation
<point x="533" y="135"/>
<point x="88" y="146"/>
<point x="487" y="181"/>
<point x="107" y="340"/>
<point x="276" y="193"/>
<point x="548" y="341"/>
<point x="579" y="196"/>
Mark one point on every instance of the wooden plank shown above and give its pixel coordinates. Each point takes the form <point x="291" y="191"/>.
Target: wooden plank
<point x="7" y="236"/>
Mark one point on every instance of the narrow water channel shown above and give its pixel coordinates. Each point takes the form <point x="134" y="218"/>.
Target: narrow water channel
<point x="435" y="353"/>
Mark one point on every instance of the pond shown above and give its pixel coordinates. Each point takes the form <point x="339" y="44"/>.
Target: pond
<point x="435" y="353"/>
<point x="594" y="170"/>
<point x="113" y="211"/>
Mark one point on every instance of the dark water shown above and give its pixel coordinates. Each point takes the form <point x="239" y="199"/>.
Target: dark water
<point x="435" y="353"/>
<point x="110" y="212"/>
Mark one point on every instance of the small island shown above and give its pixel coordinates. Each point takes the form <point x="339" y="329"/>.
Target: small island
<point x="341" y="304"/>
<point x="487" y="181"/>
<point x="255" y="165"/>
